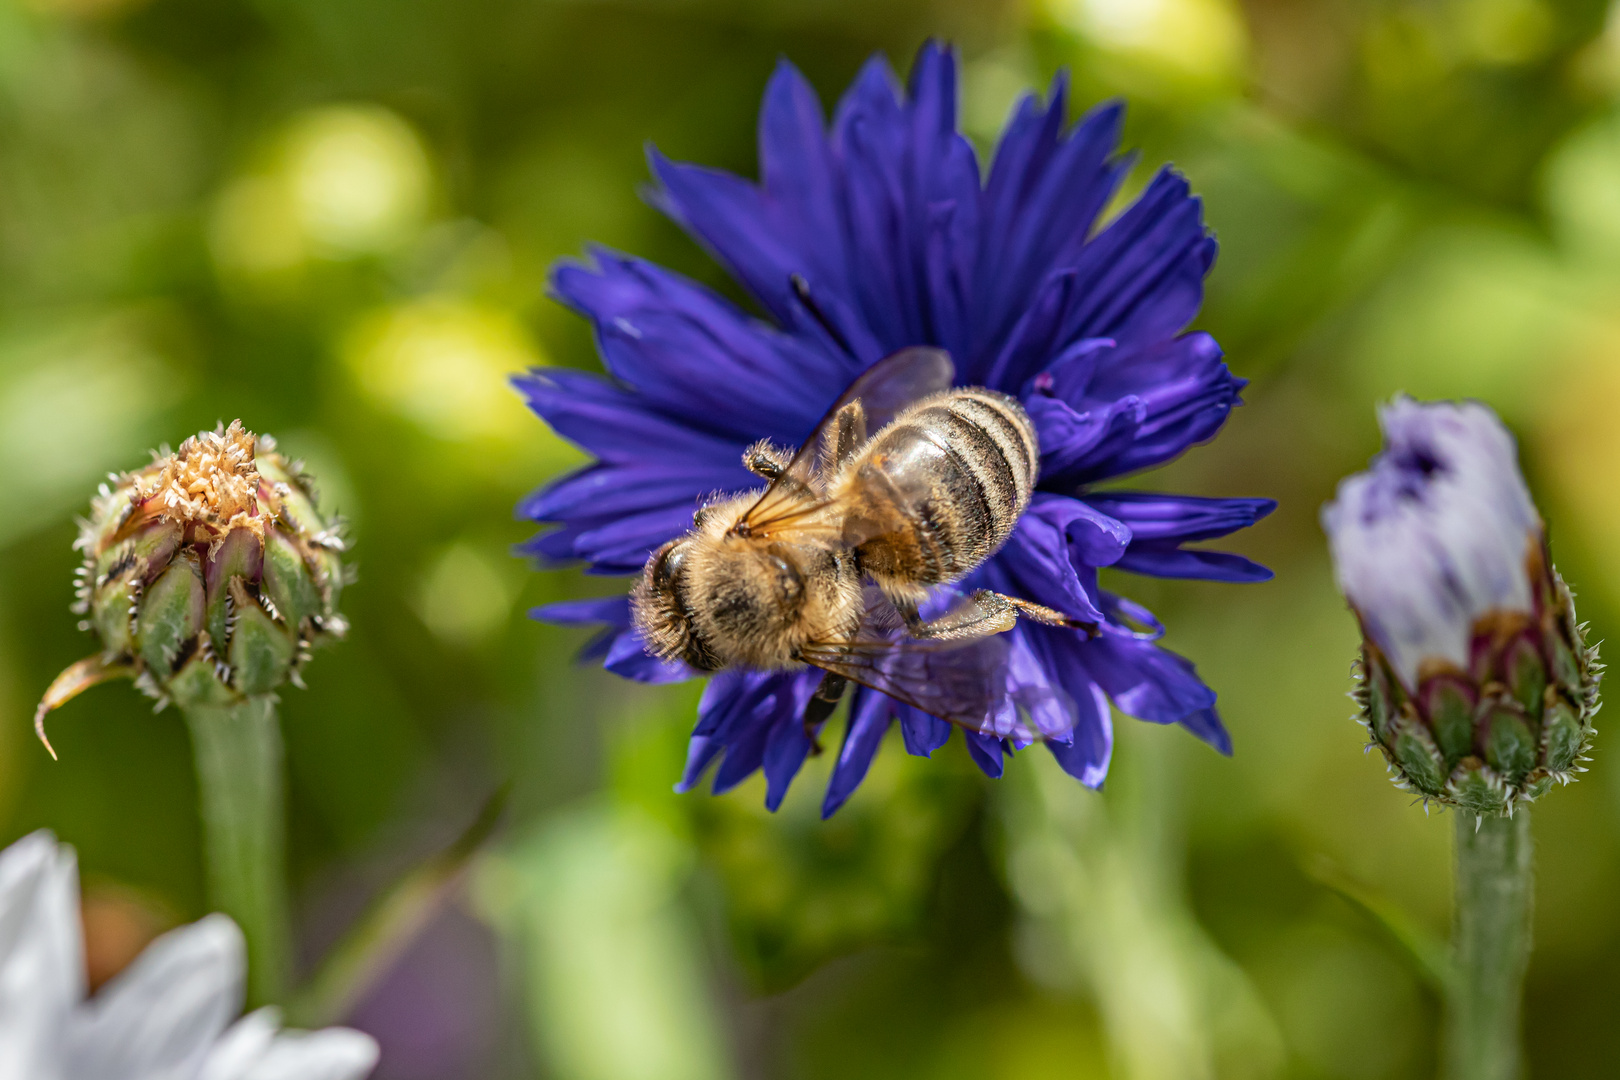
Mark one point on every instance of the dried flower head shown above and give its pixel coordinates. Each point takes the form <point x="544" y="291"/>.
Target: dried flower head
<point x="207" y="575"/>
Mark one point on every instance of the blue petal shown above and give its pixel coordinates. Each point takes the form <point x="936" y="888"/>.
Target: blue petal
<point x="1086" y="755"/>
<point x="1042" y="198"/>
<point x="1206" y="724"/>
<point x="1169" y="561"/>
<point x="1069" y="438"/>
<point x="987" y="753"/>
<point x="1161" y="523"/>
<point x="791" y="223"/>
<point x="748" y="727"/>
<point x="627" y="656"/>
<point x="1142" y="278"/>
<point x="722" y="702"/>
<point x="728" y="216"/>
<point x="1145" y="681"/>
<point x="1156" y="516"/>
<point x="697" y="355"/>
<point x="869" y="716"/>
<point x="1157" y="401"/>
<point x="801" y="185"/>
<point x="754" y="717"/>
<point x="1125" y="615"/>
<point x="612" y="610"/>
<point x="1033" y="687"/>
<point x="700" y="753"/>
<point x="1083" y="751"/>
<point x="1095" y="538"/>
<point x="616" y="425"/>
<point x="1037" y="565"/>
<point x="921" y="733"/>
<point x="787" y="747"/>
<point x="604" y="490"/>
<point x="621" y="546"/>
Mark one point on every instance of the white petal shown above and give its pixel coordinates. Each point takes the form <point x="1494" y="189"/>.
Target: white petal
<point x="241" y="1048"/>
<point x="332" y="1054"/>
<point x="41" y="955"/>
<point x="158" y="1020"/>
<point x="1435" y="534"/>
<point x="252" y="1050"/>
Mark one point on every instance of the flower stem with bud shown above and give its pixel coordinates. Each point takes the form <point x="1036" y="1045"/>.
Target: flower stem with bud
<point x="1477" y="682"/>
<point x="208" y="577"/>
<point x="238" y="754"/>
<point x="1490" y="946"/>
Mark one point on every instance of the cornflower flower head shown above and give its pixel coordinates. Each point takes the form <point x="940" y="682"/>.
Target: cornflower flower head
<point x="875" y="234"/>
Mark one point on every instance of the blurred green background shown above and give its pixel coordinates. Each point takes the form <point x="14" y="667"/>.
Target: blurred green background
<point x="333" y="218"/>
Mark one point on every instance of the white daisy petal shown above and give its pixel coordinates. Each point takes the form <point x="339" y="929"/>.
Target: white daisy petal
<point x="41" y="954"/>
<point x="242" y="1047"/>
<point x="159" y="1019"/>
<point x="332" y="1054"/>
<point x="252" y="1050"/>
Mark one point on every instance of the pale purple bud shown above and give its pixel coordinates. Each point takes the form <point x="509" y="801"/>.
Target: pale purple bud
<point x="1475" y="677"/>
<point x="1435" y="534"/>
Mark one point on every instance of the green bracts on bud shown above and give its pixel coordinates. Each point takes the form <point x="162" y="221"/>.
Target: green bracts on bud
<point x="1502" y="731"/>
<point x="208" y="575"/>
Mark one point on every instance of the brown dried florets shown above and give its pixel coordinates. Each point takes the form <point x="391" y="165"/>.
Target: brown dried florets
<point x="211" y="478"/>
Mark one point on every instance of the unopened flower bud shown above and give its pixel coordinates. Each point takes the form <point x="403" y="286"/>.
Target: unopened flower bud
<point x="1475" y="681"/>
<point x="207" y="575"/>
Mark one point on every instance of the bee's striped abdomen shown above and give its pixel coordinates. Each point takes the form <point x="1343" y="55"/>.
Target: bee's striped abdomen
<point x="955" y="472"/>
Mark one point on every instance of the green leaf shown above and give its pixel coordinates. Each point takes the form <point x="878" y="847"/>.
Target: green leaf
<point x="1428" y="954"/>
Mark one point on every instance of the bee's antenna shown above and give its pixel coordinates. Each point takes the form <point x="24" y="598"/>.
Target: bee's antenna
<point x="801" y="290"/>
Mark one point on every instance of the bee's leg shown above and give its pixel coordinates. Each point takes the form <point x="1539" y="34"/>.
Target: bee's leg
<point x="982" y="614"/>
<point x="1042" y="614"/>
<point x="763" y="459"/>
<point x="822" y="703"/>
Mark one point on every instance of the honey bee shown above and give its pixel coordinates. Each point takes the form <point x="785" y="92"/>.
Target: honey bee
<point x="779" y="578"/>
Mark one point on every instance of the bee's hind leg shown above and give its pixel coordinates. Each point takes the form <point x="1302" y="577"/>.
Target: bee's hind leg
<point x="982" y="614"/>
<point x="821" y="706"/>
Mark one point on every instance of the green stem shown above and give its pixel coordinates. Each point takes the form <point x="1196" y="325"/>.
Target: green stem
<point x="1490" y="946"/>
<point x="239" y="777"/>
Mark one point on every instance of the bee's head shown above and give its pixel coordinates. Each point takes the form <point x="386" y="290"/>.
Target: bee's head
<point x="661" y="610"/>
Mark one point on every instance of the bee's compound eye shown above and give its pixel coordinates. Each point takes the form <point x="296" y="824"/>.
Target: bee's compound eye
<point x="668" y="564"/>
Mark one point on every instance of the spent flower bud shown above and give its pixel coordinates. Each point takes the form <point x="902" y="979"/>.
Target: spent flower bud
<point x="1475" y="678"/>
<point x="207" y="575"/>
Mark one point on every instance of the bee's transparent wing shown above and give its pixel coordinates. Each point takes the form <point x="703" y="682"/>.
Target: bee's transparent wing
<point x="883" y="390"/>
<point x="962" y="680"/>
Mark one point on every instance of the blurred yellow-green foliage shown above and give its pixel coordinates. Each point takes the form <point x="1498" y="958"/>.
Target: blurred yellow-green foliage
<point x="333" y="219"/>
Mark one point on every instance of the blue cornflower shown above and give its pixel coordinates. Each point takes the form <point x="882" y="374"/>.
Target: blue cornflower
<point x="901" y="241"/>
